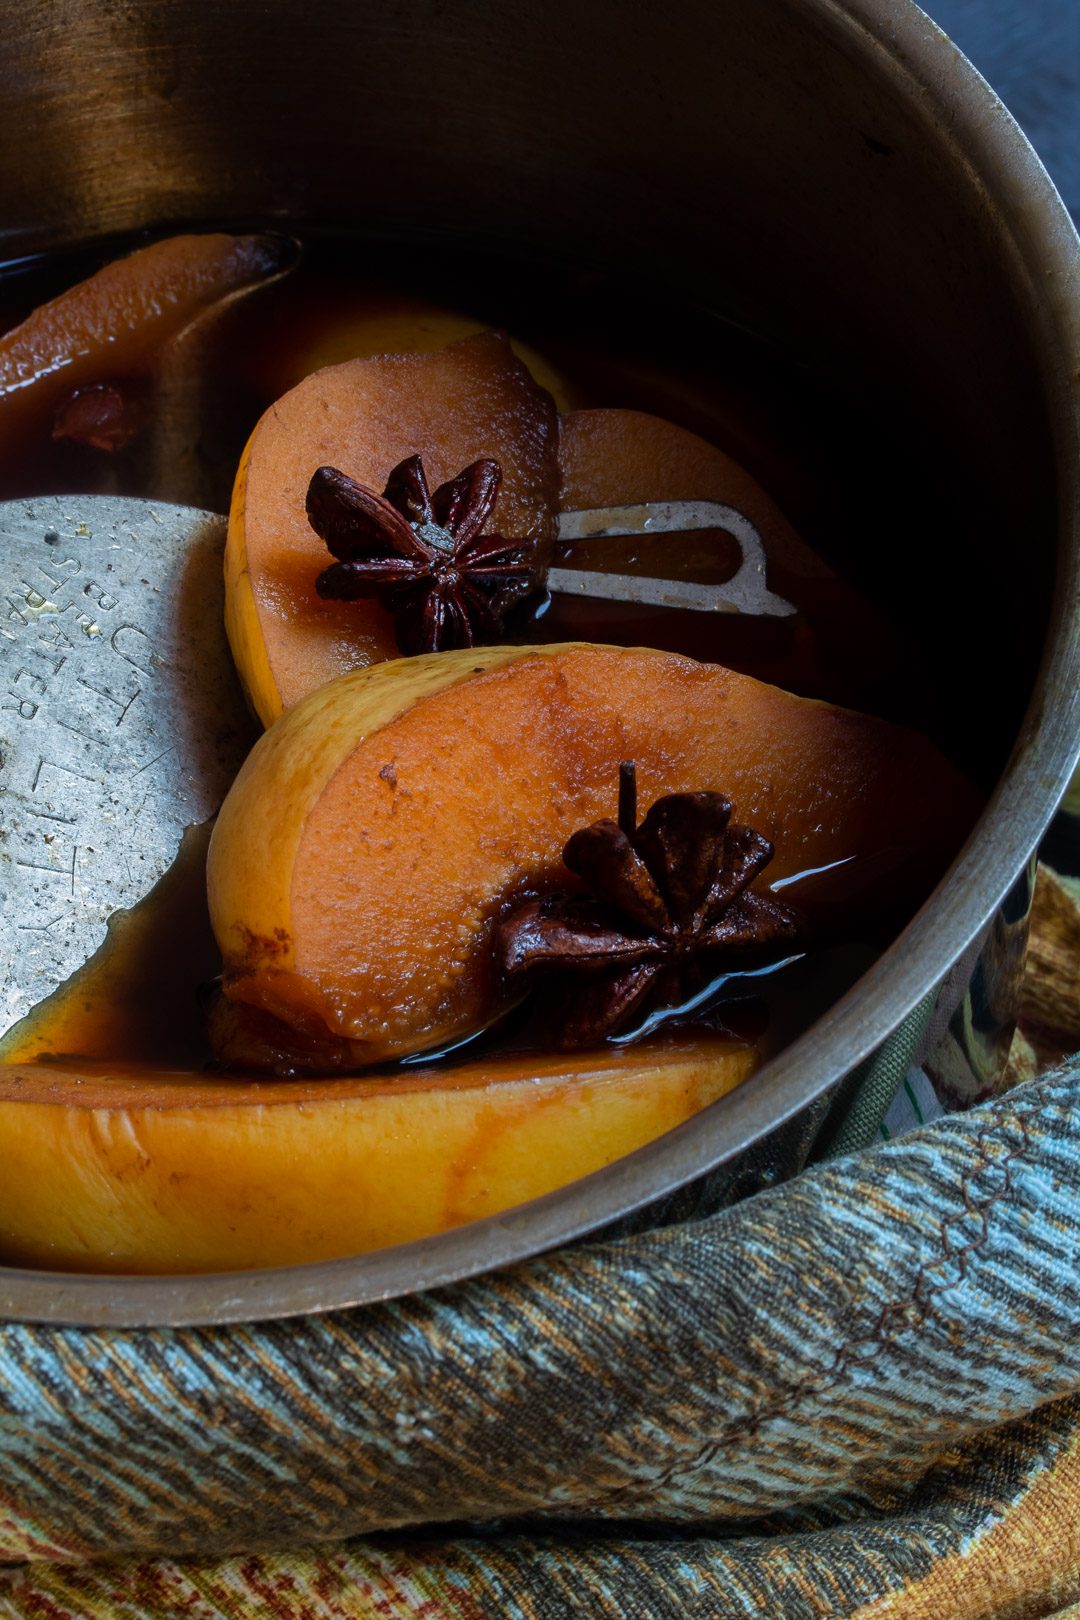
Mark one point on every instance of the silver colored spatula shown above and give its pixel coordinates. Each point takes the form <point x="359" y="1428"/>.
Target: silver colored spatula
<point x="121" y="717"/>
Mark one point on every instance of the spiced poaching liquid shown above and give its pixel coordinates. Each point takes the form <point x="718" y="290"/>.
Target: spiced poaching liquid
<point x="820" y="458"/>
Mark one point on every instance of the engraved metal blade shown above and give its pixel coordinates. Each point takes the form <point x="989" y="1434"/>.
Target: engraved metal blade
<point x="745" y="592"/>
<point x="121" y="719"/>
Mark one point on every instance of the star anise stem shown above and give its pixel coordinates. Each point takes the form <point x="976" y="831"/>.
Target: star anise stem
<point x="628" y="797"/>
<point x="663" y="908"/>
<point x="422" y="555"/>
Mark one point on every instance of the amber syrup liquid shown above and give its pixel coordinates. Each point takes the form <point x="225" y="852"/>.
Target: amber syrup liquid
<point x="820" y="457"/>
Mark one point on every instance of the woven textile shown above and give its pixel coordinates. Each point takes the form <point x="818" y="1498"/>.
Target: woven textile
<point x="859" y="1393"/>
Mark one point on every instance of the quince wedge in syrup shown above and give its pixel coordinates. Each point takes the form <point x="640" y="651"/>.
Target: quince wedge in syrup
<point x="113" y="326"/>
<point x="378" y="832"/>
<point x="115" y="1169"/>
<point x="455" y="405"/>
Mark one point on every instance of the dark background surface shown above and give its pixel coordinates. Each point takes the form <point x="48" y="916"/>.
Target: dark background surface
<point x="1029" y="50"/>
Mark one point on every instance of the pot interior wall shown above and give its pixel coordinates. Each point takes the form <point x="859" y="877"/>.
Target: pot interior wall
<point x="761" y="159"/>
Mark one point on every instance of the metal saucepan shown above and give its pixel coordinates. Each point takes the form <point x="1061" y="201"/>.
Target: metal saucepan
<point x="832" y="173"/>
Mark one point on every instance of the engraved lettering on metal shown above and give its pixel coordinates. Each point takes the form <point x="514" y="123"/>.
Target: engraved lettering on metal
<point x="121" y="722"/>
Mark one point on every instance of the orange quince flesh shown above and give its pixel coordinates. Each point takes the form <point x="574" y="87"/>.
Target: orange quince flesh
<point x="453" y="406"/>
<point x="113" y="324"/>
<point x="375" y="835"/>
<point x="114" y="1170"/>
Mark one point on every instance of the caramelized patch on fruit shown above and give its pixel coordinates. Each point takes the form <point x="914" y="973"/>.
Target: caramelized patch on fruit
<point x="255" y="950"/>
<point x="104" y="416"/>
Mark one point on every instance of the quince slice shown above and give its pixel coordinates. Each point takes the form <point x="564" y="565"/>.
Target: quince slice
<point x="116" y="322"/>
<point x="452" y="406"/>
<point x="376" y="834"/>
<point x="114" y="1169"/>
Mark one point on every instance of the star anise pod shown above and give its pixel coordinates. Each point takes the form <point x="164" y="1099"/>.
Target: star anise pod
<point x="424" y="557"/>
<point x="664" y="906"/>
